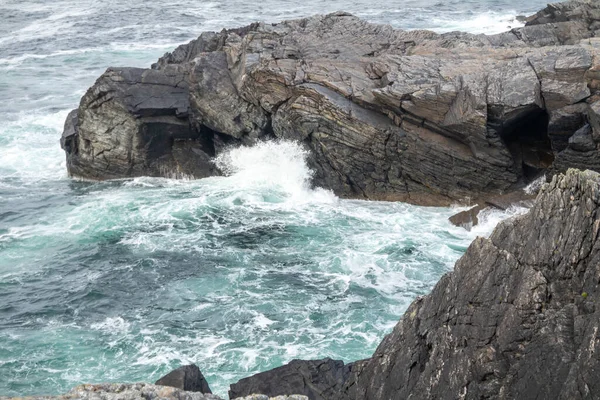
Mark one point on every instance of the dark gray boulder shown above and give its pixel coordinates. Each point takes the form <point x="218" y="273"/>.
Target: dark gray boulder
<point x="316" y="379"/>
<point x="563" y="122"/>
<point x="187" y="377"/>
<point x="518" y="318"/>
<point x="582" y="150"/>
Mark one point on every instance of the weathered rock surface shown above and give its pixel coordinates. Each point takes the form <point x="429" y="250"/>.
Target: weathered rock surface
<point x="135" y="122"/>
<point x="264" y="397"/>
<point x="518" y="318"/>
<point x="120" y="391"/>
<point x="316" y="379"/>
<point x="468" y="218"/>
<point x="142" y="391"/>
<point x="187" y="377"/>
<point x="387" y="114"/>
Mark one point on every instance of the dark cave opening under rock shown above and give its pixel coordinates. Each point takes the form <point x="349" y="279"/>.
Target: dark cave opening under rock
<point x="526" y="137"/>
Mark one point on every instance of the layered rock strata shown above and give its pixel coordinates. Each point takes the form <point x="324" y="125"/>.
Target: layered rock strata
<point x="518" y="318"/>
<point x="316" y="379"/>
<point x="386" y="113"/>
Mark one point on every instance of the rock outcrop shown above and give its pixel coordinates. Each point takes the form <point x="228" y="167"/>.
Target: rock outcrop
<point x="316" y="379"/>
<point x="142" y="391"/>
<point x="187" y="377"/>
<point x="386" y="113"/>
<point x="134" y="122"/>
<point x="264" y="397"/>
<point x="518" y="318"/>
<point x="129" y="391"/>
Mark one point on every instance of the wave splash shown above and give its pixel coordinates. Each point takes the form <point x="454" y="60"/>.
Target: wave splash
<point x="274" y="171"/>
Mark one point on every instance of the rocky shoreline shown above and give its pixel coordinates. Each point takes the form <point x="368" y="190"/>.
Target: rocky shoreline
<point x="518" y="318"/>
<point x="397" y="115"/>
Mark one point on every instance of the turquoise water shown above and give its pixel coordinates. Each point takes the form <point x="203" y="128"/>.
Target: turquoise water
<point x="125" y="280"/>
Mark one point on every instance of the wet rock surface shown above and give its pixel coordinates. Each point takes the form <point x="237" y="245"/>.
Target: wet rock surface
<point x="187" y="377"/>
<point x="316" y="379"/>
<point x="469" y="218"/>
<point x="388" y="114"/>
<point x="517" y="318"/>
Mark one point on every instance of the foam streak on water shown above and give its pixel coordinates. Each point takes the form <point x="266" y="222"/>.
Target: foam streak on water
<point x="125" y="280"/>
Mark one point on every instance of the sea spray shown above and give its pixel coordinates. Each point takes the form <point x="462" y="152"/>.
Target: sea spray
<point x="277" y="166"/>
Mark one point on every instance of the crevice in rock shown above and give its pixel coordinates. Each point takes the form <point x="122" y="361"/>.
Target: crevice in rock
<point x="215" y="142"/>
<point x="526" y="137"/>
<point x="268" y="131"/>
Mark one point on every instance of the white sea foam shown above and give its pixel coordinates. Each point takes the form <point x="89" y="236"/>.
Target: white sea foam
<point x="50" y="26"/>
<point x="29" y="147"/>
<point x="488" y="22"/>
<point x="277" y="165"/>
<point x="262" y="322"/>
<point x="490" y="217"/>
<point x="535" y="186"/>
<point x="19" y="60"/>
<point x="112" y="325"/>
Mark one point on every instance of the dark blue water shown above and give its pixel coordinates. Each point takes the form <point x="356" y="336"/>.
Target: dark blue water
<point x="123" y="281"/>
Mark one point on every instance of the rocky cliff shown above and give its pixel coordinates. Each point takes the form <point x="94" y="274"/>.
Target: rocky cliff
<point x="416" y="116"/>
<point x="518" y="318"/>
<point x="386" y="113"/>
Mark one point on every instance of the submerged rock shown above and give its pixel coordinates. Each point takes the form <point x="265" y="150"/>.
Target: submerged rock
<point x="187" y="377"/>
<point x="386" y="114"/>
<point x="469" y="218"/>
<point x="315" y="379"/>
<point x="518" y="318"/>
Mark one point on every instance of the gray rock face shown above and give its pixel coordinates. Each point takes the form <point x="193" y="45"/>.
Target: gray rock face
<point x="187" y="377"/>
<point x="518" y="318"/>
<point x="129" y="391"/>
<point x="264" y="397"/>
<point x="135" y="122"/>
<point x="315" y="379"/>
<point x="387" y="114"/>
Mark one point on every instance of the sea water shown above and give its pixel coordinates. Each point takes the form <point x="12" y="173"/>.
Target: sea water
<point x="126" y="280"/>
